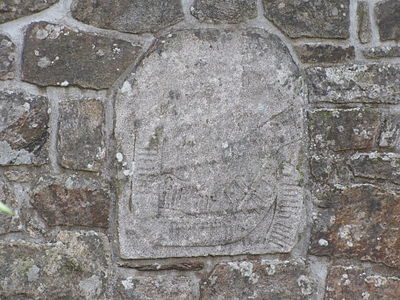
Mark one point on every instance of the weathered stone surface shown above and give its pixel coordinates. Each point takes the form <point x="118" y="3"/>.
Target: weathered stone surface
<point x="7" y="57"/>
<point x="373" y="83"/>
<point x="373" y="165"/>
<point x="213" y="126"/>
<point x="7" y="196"/>
<point x="71" y="202"/>
<point x="134" y="16"/>
<point x="23" y="128"/>
<point x="73" y="268"/>
<point x="382" y="52"/>
<point x="314" y="18"/>
<point x="343" y="129"/>
<point x="14" y="9"/>
<point x="231" y="11"/>
<point x="166" y="287"/>
<point x="179" y="266"/>
<point x="259" y="280"/>
<point x="390" y="132"/>
<point x="388" y="16"/>
<point x="352" y="282"/>
<point x="56" y="55"/>
<point x="80" y="132"/>
<point x="362" y="222"/>
<point x="363" y="23"/>
<point x="324" y="53"/>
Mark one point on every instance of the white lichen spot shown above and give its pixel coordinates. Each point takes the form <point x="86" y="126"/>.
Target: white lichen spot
<point x="306" y="285"/>
<point x="36" y="52"/>
<point x="271" y="269"/>
<point x="128" y="284"/>
<point x="26" y="106"/>
<point x="42" y="34"/>
<point x="64" y="83"/>
<point x="127" y="172"/>
<point x="323" y="242"/>
<point x="365" y="295"/>
<point x="126" y="88"/>
<point x="119" y="156"/>
<point x="377" y="280"/>
<point x="44" y="62"/>
<point x="246" y="269"/>
<point x="33" y="273"/>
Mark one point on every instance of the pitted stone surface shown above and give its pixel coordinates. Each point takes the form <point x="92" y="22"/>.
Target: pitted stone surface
<point x="7" y="58"/>
<point x="382" y="52"/>
<point x="56" y="55"/>
<point x="320" y="53"/>
<point x="71" y="201"/>
<point x="209" y="127"/>
<point x="81" y="149"/>
<point x="255" y="279"/>
<point x="363" y="23"/>
<point x="14" y="9"/>
<point x="231" y="11"/>
<point x="73" y="267"/>
<point x="371" y="83"/>
<point x="134" y="16"/>
<point x="23" y="128"/>
<point x="388" y="16"/>
<point x="313" y="18"/>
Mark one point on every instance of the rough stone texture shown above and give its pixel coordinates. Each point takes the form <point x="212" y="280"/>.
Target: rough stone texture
<point x="7" y="196"/>
<point x="73" y="268"/>
<point x="373" y="83"/>
<point x="173" y="287"/>
<point x="213" y="125"/>
<point x="324" y="53"/>
<point x="382" y="52"/>
<point x="363" y="23"/>
<point x="388" y="16"/>
<point x="81" y="149"/>
<point x="23" y="128"/>
<point x="231" y="11"/>
<point x="352" y="282"/>
<point x="56" y="55"/>
<point x="390" y="132"/>
<point x="14" y="9"/>
<point x="361" y="221"/>
<point x="313" y="18"/>
<point x="259" y="280"/>
<point x="344" y="129"/>
<point x="78" y="202"/>
<point x="134" y="16"/>
<point x="7" y="58"/>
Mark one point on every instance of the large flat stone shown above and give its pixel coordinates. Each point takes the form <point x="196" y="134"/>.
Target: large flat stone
<point x="134" y="16"/>
<point x="7" y="58"/>
<point x="313" y="18"/>
<point x="76" y="267"/>
<point x="231" y="11"/>
<point x="14" y="9"/>
<point x="211" y="136"/>
<point x="23" y="128"/>
<point x="259" y="280"/>
<point x="360" y="222"/>
<point x="80" y="131"/>
<point x="371" y="83"/>
<point x="56" y="55"/>
<point x="388" y="16"/>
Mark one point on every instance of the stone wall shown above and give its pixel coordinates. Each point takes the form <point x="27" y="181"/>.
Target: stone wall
<point x="200" y="149"/>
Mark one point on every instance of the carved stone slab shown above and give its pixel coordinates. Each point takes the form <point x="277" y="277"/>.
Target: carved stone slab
<point x="209" y="126"/>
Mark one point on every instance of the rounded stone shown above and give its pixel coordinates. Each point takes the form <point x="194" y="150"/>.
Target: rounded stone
<point x="210" y="124"/>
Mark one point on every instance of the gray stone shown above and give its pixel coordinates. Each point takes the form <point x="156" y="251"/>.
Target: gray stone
<point x="388" y="16"/>
<point x="23" y="128"/>
<point x="71" y="201"/>
<point x="7" y="58"/>
<point x="231" y="11"/>
<point x="371" y="83"/>
<point x="75" y="267"/>
<point x="57" y="55"/>
<point x="211" y="147"/>
<point x="80" y="132"/>
<point x="134" y="16"/>
<point x="265" y="279"/>
<point x="317" y="53"/>
<point x="7" y="196"/>
<point x="390" y="132"/>
<point x="14" y="9"/>
<point x="168" y="287"/>
<point x="363" y="23"/>
<point x="382" y="52"/>
<point x="313" y="18"/>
